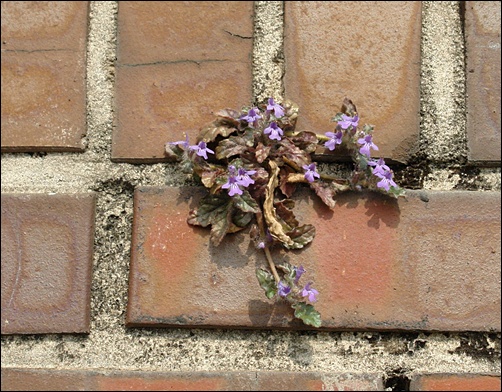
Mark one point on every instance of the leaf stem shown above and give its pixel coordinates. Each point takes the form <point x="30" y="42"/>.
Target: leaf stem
<point x="271" y="264"/>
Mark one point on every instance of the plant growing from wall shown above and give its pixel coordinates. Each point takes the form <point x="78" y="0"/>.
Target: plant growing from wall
<point x="252" y="160"/>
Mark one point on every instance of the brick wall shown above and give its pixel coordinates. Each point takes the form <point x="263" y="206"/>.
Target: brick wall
<point x="106" y="287"/>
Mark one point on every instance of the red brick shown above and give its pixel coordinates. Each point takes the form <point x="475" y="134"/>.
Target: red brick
<point x="175" y="381"/>
<point x="348" y="49"/>
<point x="378" y="263"/>
<point x="116" y="380"/>
<point x="455" y="382"/>
<point x="177" y="64"/>
<point x="47" y="246"/>
<point x="43" y="75"/>
<point x="313" y="381"/>
<point x="482" y="34"/>
<point x="45" y="380"/>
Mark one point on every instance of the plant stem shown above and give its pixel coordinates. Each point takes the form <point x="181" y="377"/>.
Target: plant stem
<point x="271" y="264"/>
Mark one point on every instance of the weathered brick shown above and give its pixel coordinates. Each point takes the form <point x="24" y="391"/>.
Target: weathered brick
<point x="47" y="246"/>
<point x="317" y="381"/>
<point x="455" y="382"/>
<point x="177" y="64"/>
<point x="16" y="379"/>
<point x="379" y="263"/>
<point x="175" y="381"/>
<point x="43" y="75"/>
<point x="482" y="34"/>
<point x="118" y="380"/>
<point x="348" y="49"/>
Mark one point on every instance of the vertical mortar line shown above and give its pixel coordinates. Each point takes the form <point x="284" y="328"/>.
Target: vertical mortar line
<point x="101" y="54"/>
<point x="443" y="139"/>
<point x="268" y="53"/>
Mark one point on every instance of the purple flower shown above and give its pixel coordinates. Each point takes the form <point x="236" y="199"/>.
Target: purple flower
<point x="299" y="271"/>
<point x="379" y="166"/>
<point x="184" y="143"/>
<point x="348" y="121"/>
<point x="334" y="139"/>
<point x="367" y="144"/>
<point x="275" y="107"/>
<point x="386" y="180"/>
<point x="252" y="117"/>
<point x="274" y="131"/>
<point x="310" y="172"/>
<point x="309" y="292"/>
<point x="283" y="290"/>
<point x="243" y="177"/>
<point x="268" y="239"/>
<point x="233" y="186"/>
<point x="202" y="149"/>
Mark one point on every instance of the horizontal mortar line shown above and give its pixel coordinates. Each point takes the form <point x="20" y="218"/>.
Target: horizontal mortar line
<point x="37" y="50"/>
<point x="198" y="62"/>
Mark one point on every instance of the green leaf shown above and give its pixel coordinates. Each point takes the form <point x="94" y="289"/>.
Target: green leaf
<point x="221" y="224"/>
<point x="242" y="219"/>
<point x="301" y="236"/>
<point x="397" y="192"/>
<point x="209" y="206"/>
<point x="214" y="210"/>
<point x="246" y="203"/>
<point x="337" y="117"/>
<point x="267" y="282"/>
<point x="307" y="314"/>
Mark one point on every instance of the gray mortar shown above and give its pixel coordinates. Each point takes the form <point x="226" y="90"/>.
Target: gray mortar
<point x="111" y="346"/>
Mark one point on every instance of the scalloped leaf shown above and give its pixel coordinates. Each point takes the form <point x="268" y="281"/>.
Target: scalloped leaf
<point x="246" y="203"/>
<point x="234" y="145"/>
<point x="211" y="131"/>
<point x="209" y="207"/>
<point x="306" y="141"/>
<point x="327" y="190"/>
<point x="262" y="152"/>
<point x="267" y="282"/>
<point x="228" y="116"/>
<point x="307" y="313"/>
<point x="291" y="154"/>
<point x="242" y="219"/>
<point x="301" y="236"/>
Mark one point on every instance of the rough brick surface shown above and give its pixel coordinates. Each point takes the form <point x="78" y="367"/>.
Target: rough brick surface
<point x="46" y="380"/>
<point x="455" y="382"/>
<point x="43" y="75"/>
<point x="178" y="63"/>
<point x="47" y="244"/>
<point x="482" y="33"/>
<point x="427" y="262"/>
<point x="338" y="49"/>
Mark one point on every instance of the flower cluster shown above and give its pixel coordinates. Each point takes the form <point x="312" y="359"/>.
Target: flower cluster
<point x="347" y="127"/>
<point x="252" y="161"/>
